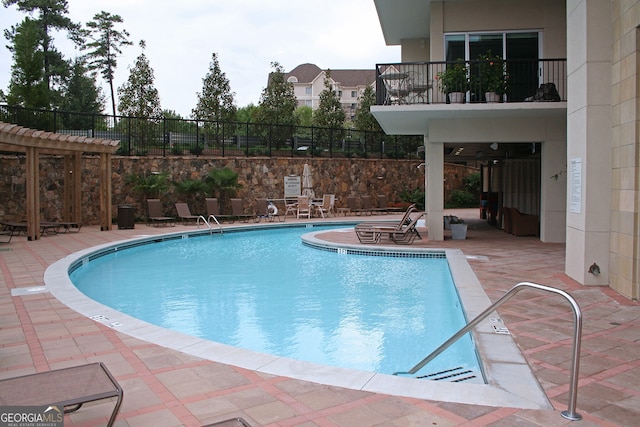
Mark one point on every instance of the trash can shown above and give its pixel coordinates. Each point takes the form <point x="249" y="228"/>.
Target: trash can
<point x="126" y="216"/>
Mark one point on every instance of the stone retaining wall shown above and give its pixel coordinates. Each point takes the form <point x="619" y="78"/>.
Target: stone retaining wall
<point x="259" y="177"/>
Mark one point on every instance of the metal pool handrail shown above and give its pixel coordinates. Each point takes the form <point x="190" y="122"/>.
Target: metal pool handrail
<point x="570" y="413"/>
<point x="208" y="223"/>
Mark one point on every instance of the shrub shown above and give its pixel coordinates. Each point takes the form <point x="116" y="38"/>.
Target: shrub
<point x="462" y="199"/>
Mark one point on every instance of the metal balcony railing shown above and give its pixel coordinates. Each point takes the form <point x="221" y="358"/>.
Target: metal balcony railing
<point x="425" y="82"/>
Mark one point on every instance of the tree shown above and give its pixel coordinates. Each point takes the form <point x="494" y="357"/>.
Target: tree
<point x="27" y="86"/>
<point x="329" y="115"/>
<point x="223" y="184"/>
<point x="105" y="47"/>
<point x="247" y="114"/>
<point x="364" y="120"/>
<point x="216" y="101"/>
<point x="138" y="97"/>
<point x="81" y="95"/>
<point x="51" y="16"/>
<point x="305" y="115"/>
<point x="277" y="106"/>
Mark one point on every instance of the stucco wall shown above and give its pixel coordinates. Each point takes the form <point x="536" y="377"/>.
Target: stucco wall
<point x="259" y="177"/>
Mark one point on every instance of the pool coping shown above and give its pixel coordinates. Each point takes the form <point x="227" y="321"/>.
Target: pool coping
<point x="510" y="380"/>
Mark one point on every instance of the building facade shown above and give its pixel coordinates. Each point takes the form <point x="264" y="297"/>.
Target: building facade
<point x="581" y="174"/>
<point x="308" y="83"/>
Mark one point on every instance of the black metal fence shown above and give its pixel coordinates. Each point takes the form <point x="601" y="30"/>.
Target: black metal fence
<point x="423" y="83"/>
<point x="165" y="137"/>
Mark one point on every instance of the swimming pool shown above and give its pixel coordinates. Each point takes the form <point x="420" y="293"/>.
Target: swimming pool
<point x="265" y="291"/>
<point x="509" y="379"/>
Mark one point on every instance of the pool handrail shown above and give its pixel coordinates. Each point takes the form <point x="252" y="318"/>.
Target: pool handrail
<point x="208" y="221"/>
<point x="570" y="413"/>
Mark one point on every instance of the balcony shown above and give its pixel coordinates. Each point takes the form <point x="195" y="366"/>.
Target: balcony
<point x="414" y="83"/>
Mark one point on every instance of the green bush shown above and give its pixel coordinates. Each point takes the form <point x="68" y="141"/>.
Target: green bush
<point x="462" y="199"/>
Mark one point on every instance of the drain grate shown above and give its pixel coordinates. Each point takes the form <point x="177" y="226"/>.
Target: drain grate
<point x="455" y="375"/>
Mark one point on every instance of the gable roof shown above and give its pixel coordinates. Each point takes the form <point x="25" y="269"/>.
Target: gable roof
<point x="307" y="73"/>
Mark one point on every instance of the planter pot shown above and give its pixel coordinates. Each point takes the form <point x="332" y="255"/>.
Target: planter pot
<point x="492" y="97"/>
<point x="456" y="97"/>
<point x="458" y="231"/>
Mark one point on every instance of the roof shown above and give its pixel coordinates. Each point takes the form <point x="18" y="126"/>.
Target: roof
<point x="307" y="73"/>
<point x="13" y="136"/>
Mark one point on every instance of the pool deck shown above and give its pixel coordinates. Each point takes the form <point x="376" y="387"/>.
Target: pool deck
<point x="164" y="387"/>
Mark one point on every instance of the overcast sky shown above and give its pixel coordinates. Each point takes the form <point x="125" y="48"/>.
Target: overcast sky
<point x="248" y="35"/>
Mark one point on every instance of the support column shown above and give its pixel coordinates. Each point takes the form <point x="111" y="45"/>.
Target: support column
<point x="588" y="140"/>
<point x="105" y="192"/>
<point x="33" y="193"/>
<point x="434" y="175"/>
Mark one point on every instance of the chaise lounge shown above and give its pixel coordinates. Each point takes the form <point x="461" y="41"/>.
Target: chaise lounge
<point x="156" y="216"/>
<point x="67" y="388"/>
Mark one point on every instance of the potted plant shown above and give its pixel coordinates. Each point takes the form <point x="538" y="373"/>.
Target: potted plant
<point x="454" y="81"/>
<point x="492" y="76"/>
<point x="458" y="228"/>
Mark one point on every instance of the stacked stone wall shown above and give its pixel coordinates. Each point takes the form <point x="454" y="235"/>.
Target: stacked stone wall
<point x="258" y="177"/>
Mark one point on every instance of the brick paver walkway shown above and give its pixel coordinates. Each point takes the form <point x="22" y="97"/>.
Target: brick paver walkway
<point x="168" y="388"/>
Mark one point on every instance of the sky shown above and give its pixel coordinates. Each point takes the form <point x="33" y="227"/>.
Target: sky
<point x="247" y="35"/>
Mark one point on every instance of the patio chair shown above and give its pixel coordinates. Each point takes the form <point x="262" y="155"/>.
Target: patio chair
<point x="290" y="207"/>
<point x="326" y="207"/>
<point x="156" y="216"/>
<point x="213" y="209"/>
<point x="406" y="235"/>
<point x="184" y="213"/>
<point x="304" y="207"/>
<point x="238" y="212"/>
<point x="353" y="207"/>
<point x="67" y="389"/>
<point x="367" y="233"/>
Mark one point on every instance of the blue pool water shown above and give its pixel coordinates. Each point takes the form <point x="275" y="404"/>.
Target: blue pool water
<point x="264" y="290"/>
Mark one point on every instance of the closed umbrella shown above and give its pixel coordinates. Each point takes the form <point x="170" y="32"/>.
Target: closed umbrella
<point x="307" y="182"/>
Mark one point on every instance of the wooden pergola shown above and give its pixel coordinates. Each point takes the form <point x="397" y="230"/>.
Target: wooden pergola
<point x="14" y="138"/>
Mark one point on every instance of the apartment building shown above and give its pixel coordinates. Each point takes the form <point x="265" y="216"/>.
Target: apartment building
<point x="308" y="82"/>
<point x="569" y="157"/>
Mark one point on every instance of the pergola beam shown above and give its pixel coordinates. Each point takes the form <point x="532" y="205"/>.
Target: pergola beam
<point x="14" y="138"/>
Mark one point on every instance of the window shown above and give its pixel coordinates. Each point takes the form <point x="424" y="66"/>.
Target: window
<point x="340" y="94"/>
<point x="308" y="103"/>
<point x="307" y="90"/>
<point x="523" y="45"/>
<point x="354" y="93"/>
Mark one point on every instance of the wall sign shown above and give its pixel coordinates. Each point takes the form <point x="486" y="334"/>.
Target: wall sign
<point x="575" y="185"/>
<point x="292" y="186"/>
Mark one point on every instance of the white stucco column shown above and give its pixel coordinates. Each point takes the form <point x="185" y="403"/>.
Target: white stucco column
<point x="434" y="174"/>
<point x="589" y="139"/>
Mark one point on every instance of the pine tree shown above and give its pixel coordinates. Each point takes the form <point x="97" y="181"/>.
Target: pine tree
<point x="105" y="47"/>
<point x="277" y="107"/>
<point x="364" y="120"/>
<point x="138" y="97"/>
<point x="81" y="95"/>
<point x="51" y="15"/>
<point x="329" y="115"/>
<point x="27" y="86"/>
<point x="216" y="101"/>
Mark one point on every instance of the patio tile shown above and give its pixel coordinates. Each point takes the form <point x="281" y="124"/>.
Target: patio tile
<point x="164" y="387"/>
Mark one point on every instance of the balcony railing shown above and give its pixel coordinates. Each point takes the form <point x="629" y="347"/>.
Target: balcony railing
<point x="422" y="82"/>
